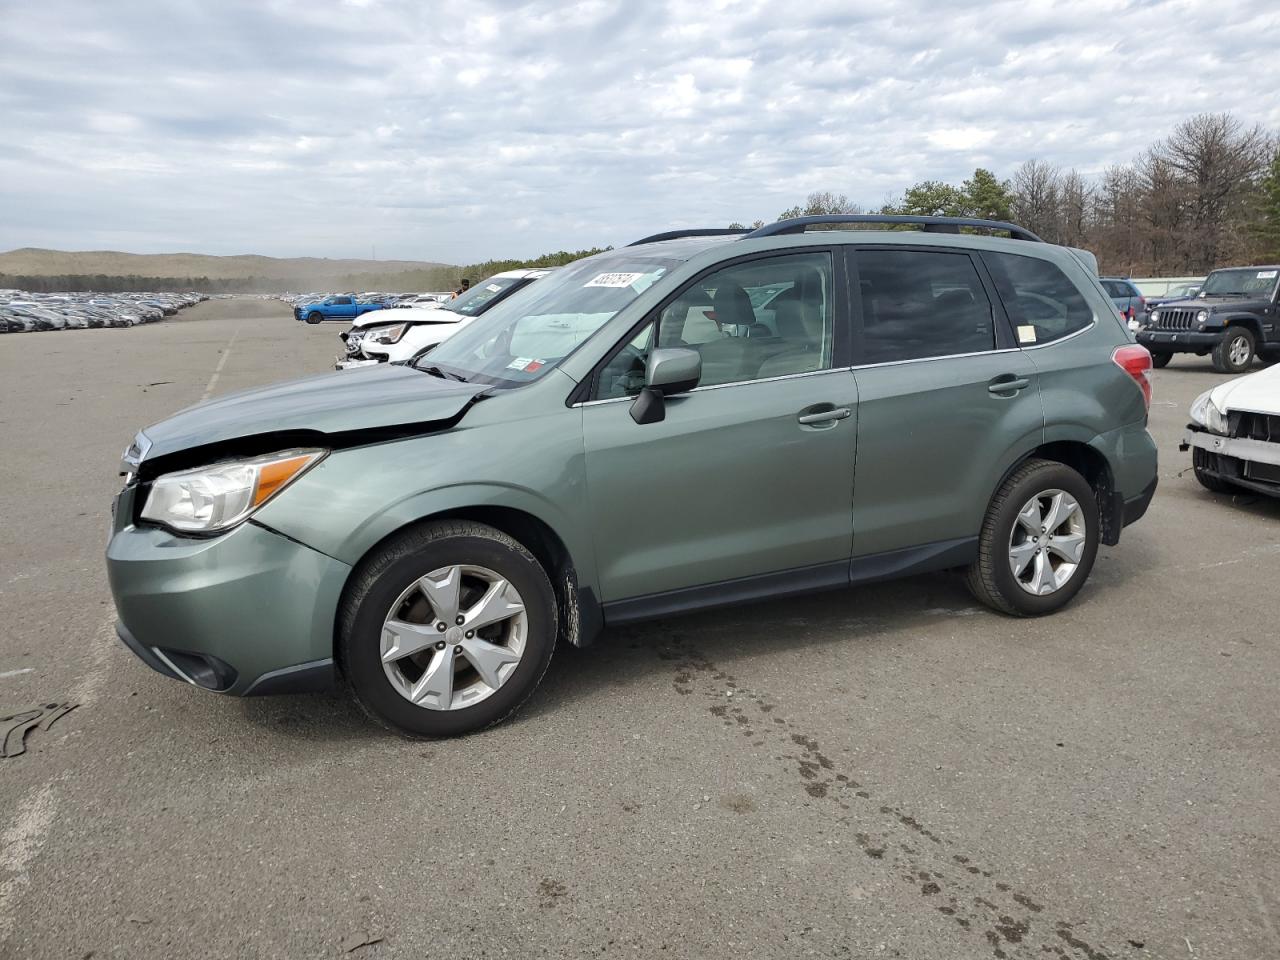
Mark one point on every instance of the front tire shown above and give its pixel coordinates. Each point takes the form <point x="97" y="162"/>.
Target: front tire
<point x="447" y="629"/>
<point x="314" y="316"/>
<point x="1038" y="541"/>
<point x="1159" y="360"/>
<point x="1235" y="351"/>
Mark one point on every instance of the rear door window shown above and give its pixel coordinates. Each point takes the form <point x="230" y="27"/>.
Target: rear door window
<point x="918" y="304"/>
<point x="1042" y="301"/>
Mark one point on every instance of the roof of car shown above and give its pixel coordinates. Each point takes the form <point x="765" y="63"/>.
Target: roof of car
<point x="851" y="228"/>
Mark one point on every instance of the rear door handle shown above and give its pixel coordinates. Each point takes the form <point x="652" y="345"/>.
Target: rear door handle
<point x="825" y="416"/>
<point x="1007" y="383"/>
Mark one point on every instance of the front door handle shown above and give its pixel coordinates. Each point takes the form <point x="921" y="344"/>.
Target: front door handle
<point x="825" y="416"/>
<point x="1006" y="384"/>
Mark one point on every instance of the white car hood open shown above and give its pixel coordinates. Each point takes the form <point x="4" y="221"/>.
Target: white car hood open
<point x="422" y="314"/>
<point x="1255" y="392"/>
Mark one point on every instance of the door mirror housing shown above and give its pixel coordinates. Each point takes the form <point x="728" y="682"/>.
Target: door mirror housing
<point x="670" y="370"/>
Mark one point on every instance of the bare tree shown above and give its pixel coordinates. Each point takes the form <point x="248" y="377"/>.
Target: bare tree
<point x="1076" y="198"/>
<point x="1219" y="163"/>
<point x="1037" y="200"/>
<point x="822" y="203"/>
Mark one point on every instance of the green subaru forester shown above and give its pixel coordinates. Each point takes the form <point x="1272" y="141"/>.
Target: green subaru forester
<point x="702" y="418"/>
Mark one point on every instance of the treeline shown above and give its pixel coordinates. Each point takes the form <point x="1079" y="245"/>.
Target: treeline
<point x="105" y="283"/>
<point x="1207" y="195"/>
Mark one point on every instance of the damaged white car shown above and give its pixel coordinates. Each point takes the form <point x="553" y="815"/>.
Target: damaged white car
<point x="1234" y="434"/>
<point x="402" y="335"/>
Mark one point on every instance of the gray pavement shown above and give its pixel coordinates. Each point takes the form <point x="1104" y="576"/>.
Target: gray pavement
<point x="890" y="771"/>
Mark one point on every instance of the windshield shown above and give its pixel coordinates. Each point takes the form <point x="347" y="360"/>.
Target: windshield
<point x="1239" y="283"/>
<point x="479" y="298"/>
<point x="524" y="336"/>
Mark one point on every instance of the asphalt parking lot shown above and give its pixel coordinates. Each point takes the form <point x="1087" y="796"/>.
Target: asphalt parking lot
<point x="889" y="771"/>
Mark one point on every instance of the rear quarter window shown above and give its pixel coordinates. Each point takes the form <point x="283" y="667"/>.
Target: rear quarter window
<point x="1042" y="301"/>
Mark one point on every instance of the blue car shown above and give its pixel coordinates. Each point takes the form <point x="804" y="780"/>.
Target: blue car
<point x="343" y="307"/>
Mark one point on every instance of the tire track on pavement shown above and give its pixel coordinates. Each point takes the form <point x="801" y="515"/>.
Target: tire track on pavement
<point x="955" y="885"/>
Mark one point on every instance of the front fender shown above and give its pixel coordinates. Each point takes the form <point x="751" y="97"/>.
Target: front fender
<point x="364" y="494"/>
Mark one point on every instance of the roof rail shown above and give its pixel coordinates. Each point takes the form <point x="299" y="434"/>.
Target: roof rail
<point x="926" y="224"/>
<point x="678" y="234"/>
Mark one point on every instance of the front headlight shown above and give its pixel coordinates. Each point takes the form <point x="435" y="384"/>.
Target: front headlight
<point x="1202" y="317"/>
<point x="1206" y="413"/>
<point x="1155" y="315"/>
<point x="389" y="334"/>
<point x="217" y="497"/>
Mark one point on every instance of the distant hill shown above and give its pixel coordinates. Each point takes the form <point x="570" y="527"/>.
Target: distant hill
<point x="317" y="271"/>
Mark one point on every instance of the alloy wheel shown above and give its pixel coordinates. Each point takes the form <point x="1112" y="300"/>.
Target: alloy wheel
<point x="1238" y="351"/>
<point x="454" y="637"/>
<point x="1047" y="542"/>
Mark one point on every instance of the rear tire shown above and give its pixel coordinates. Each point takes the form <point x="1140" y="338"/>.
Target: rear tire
<point x="378" y="594"/>
<point x="314" y="316"/>
<point x="1056" y="557"/>
<point x="1159" y="360"/>
<point x="1235" y="351"/>
<point x="1202" y="464"/>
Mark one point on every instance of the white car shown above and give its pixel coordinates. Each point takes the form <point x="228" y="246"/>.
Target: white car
<point x="1234" y="434"/>
<point x="402" y="335"/>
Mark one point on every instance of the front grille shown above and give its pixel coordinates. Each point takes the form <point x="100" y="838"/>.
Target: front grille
<point x="1175" y="320"/>
<point x="1255" y="426"/>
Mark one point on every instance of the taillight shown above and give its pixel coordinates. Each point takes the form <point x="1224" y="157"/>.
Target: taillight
<point x="1135" y="360"/>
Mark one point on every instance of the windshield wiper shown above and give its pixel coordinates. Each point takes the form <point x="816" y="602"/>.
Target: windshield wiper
<point x="443" y="374"/>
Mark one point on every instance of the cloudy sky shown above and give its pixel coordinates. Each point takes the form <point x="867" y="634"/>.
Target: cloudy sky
<point x="462" y="130"/>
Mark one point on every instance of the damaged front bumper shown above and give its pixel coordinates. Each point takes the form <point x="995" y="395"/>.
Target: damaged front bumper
<point x="1253" y="464"/>
<point x="211" y="612"/>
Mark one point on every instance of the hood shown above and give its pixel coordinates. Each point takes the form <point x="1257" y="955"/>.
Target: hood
<point x="1255" y="392"/>
<point x="393" y="315"/>
<point x="309" y="410"/>
<point x="1215" y="300"/>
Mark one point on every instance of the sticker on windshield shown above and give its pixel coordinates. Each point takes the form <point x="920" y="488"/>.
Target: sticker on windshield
<point x="614" y="280"/>
<point x="1026" y="333"/>
<point x="1266" y="274"/>
<point x="519" y="363"/>
<point x="493" y="288"/>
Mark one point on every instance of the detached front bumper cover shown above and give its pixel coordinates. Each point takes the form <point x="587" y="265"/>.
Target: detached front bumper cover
<point x="1255" y="451"/>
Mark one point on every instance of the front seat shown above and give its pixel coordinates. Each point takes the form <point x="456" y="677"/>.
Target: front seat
<point x="731" y="359"/>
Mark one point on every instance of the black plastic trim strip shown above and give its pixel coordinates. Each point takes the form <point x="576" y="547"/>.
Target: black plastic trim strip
<point x="312" y="677"/>
<point x="926" y="558"/>
<point x="824" y="576"/>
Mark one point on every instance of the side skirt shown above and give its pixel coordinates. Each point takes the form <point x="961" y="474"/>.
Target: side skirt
<point x="768" y="586"/>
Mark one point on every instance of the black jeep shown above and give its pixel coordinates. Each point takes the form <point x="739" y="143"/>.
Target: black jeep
<point x="1234" y="317"/>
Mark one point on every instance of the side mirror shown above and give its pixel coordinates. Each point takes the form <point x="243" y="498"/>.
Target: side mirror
<point x="669" y="371"/>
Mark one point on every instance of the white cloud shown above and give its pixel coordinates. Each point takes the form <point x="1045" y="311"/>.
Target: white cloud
<point x="502" y="128"/>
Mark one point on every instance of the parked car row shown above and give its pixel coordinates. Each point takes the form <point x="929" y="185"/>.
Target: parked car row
<point x="21" y="312"/>
<point x="405" y="334"/>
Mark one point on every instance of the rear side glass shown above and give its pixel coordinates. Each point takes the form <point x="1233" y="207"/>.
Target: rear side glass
<point x="918" y="304"/>
<point x="1042" y="302"/>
